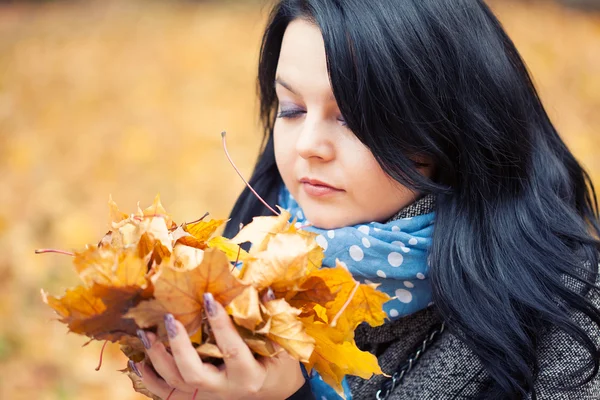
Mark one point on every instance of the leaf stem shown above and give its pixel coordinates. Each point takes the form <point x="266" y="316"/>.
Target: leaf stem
<point x="101" y="354"/>
<point x="67" y="253"/>
<point x="346" y="304"/>
<point x="223" y="134"/>
<point x="198" y="220"/>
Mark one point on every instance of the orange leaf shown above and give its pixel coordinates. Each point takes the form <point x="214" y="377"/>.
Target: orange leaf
<point x="180" y="292"/>
<point x="97" y="311"/>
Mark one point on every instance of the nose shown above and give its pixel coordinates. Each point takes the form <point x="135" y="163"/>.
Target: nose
<point x="314" y="142"/>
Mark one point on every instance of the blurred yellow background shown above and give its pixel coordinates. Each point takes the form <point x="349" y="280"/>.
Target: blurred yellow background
<point x="129" y="98"/>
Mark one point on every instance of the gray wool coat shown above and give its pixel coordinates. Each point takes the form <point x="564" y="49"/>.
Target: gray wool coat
<point x="447" y="369"/>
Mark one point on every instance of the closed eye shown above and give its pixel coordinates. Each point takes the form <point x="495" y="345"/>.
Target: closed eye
<point x="290" y="113"/>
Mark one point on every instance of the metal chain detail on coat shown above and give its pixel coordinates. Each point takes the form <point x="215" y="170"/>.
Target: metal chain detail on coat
<point x="388" y="386"/>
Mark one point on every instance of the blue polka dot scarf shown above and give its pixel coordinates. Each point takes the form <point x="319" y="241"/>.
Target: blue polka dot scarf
<point x="392" y="254"/>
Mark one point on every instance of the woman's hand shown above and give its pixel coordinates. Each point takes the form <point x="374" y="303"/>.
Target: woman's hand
<point x="183" y="376"/>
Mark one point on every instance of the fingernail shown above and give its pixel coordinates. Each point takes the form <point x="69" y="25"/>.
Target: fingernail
<point x="170" y="325"/>
<point x="134" y="368"/>
<point x="209" y="304"/>
<point x="142" y="335"/>
<point x="270" y="295"/>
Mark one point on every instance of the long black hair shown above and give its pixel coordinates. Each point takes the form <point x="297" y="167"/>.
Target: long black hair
<point x="515" y="247"/>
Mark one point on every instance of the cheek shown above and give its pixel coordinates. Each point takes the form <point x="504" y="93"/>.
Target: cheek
<point x="376" y="195"/>
<point x="284" y="157"/>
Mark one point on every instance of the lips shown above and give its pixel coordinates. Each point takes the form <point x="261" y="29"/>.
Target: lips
<point x="317" y="188"/>
<point x="316" y="182"/>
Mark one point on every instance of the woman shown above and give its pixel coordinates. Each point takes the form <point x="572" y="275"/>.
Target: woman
<point x="417" y="120"/>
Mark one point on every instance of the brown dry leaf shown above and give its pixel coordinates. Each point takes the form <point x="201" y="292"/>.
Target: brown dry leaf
<point x="180" y="292"/>
<point x="149" y="314"/>
<point x="245" y="309"/>
<point x="138" y="385"/>
<point x="99" y="318"/>
<point x="313" y="291"/>
<point x="288" y="331"/>
<point x="133" y="348"/>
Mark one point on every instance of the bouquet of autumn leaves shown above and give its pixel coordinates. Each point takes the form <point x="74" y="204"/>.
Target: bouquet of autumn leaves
<point x="147" y="265"/>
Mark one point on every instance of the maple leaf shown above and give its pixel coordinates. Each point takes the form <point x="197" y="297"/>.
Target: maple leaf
<point x="262" y="229"/>
<point x="334" y="357"/>
<point x="138" y="385"/>
<point x="258" y="343"/>
<point x="114" y="283"/>
<point x="187" y="257"/>
<point x="147" y="266"/>
<point x="288" y="331"/>
<point x="201" y="230"/>
<point x="180" y="292"/>
<point x="97" y="311"/>
<point x="282" y="265"/>
<point x="157" y="210"/>
<point x="245" y="309"/>
<point x="110" y="267"/>
<point x="354" y="303"/>
<point x="233" y="251"/>
<point x="133" y="348"/>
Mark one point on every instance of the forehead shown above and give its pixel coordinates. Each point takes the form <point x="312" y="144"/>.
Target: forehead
<point x="302" y="63"/>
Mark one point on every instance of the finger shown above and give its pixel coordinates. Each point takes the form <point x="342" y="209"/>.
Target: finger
<point x="193" y="371"/>
<point x="153" y="382"/>
<point x="239" y="361"/>
<point x="164" y="364"/>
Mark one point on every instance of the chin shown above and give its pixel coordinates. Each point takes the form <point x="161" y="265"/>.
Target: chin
<point x="323" y="221"/>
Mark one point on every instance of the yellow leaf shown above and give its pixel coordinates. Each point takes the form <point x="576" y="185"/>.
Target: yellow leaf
<point x="245" y="309"/>
<point x="282" y="266"/>
<point x="115" y="215"/>
<point x="288" y="331"/>
<point x="333" y="358"/>
<point x="157" y="210"/>
<point x="353" y="304"/>
<point x="261" y="229"/>
<point x="203" y="230"/>
<point x="186" y="257"/>
<point x="233" y="251"/>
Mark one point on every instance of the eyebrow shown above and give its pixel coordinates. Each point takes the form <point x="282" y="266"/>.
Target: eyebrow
<point x="289" y="87"/>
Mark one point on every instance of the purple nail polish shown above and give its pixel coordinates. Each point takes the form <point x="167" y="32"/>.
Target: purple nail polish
<point x="209" y="304"/>
<point x="170" y="325"/>
<point x="142" y="335"/>
<point x="134" y="368"/>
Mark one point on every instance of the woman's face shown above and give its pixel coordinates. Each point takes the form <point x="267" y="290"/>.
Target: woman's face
<point x="333" y="176"/>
